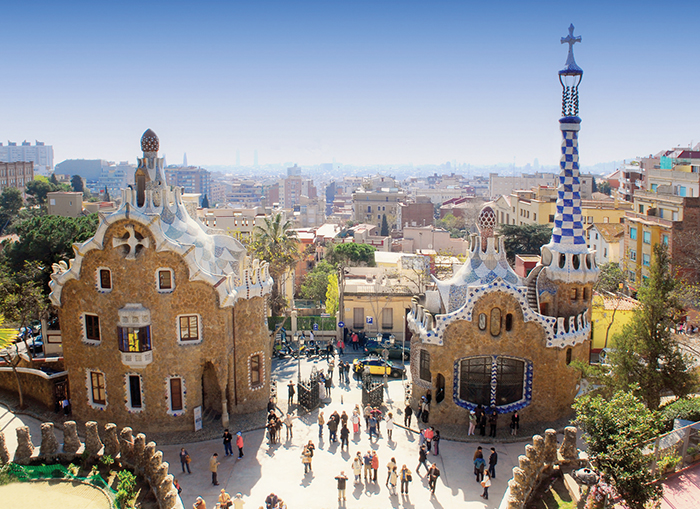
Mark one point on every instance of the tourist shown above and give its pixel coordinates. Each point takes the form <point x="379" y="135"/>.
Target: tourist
<point x="405" y="476"/>
<point x="342" y="480"/>
<point x="185" y="461"/>
<point x="367" y="461"/>
<point x="436" y="442"/>
<point x="514" y="423"/>
<point x="357" y="467"/>
<point x="328" y="384"/>
<point x="321" y="421"/>
<point x="377" y="414"/>
<point x="479" y="465"/>
<point x="176" y="483"/>
<point x="389" y="425"/>
<point x="428" y="439"/>
<point x="391" y="483"/>
<point x="422" y="458"/>
<point x="344" y="437"/>
<point x="333" y="427"/>
<point x="238" y="501"/>
<point x="493" y="422"/>
<point x="420" y="409"/>
<point x="311" y="447"/>
<point x="493" y="460"/>
<point x="239" y="444"/>
<point x="224" y="499"/>
<point x="375" y="466"/>
<point x="367" y="412"/>
<point x="290" y="393"/>
<point x="271" y="501"/>
<point x="344" y="418"/>
<point x="486" y="482"/>
<point x="389" y="466"/>
<point x="372" y="423"/>
<point x="482" y="424"/>
<point x="355" y="341"/>
<point x="270" y="406"/>
<point x="355" y="419"/>
<point x="407" y="414"/>
<point x="472" y="422"/>
<point x="214" y="468"/>
<point x="199" y="503"/>
<point x="228" y="437"/>
<point x="281" y="504"/>
<point x="428" y="396"/>
<point x="288" y="424"/>
<point x="433" y="474"/>
<point x="425" y="410"/>
<point x="306" y="460"/>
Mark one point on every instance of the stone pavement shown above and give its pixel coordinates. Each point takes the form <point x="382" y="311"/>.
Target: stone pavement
<point x="278" y="468"/>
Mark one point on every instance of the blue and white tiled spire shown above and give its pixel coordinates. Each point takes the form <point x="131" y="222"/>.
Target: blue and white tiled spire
<point x="568" y="222"/>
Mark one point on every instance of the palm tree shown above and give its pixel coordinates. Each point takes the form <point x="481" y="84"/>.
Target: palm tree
<point x="276" y="243"/>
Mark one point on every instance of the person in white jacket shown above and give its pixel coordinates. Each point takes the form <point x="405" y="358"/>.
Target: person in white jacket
<point x="486" y="482"/>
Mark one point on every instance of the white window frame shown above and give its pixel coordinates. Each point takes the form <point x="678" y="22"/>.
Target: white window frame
<point x="83" y="327"/>
<point x="261" y="384"/>
<point x="88" y="385"/>
<point x="200" y="331"/>
<point x="172" y="280"/>
<point x="98" y="280"/>
<point x="168" y="396"/>
<point x="127" y="389"/>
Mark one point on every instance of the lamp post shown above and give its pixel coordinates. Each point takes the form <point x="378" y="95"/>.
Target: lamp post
<point x="570" y="78"/>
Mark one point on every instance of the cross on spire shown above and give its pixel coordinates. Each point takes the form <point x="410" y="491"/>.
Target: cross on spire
<point x="571" y="40"/>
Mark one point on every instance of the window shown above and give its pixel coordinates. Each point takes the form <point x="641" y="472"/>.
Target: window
<point x="256" y="376"/>
<point x="568" y="356"/>
<point x="134" y="392"/>
<point x="605" y="252"/>
<point x="189" y="327"/>
<point x="134" y="339"/>
<point x="176" y="400"/>
<point x="641" y="209"/>
<point x="475" y="380"/>
<point x="495" y="321"/>
<point x="387" y="318"/>
<point x="92" y="327"/>
<point x="509" y="322"/>
<point x="606" y="219"/>
<point x="664" y="239"/>
<point x="424" y="368"/>
<point x="104" y="279"/>
<point x="675" y="216"/>
<point x="492" y="381"/>
<point x="632" y="276"/>
<point x="633" y="233"/>
<point x="590" y="219"/>
<point x="551" y="218"/>
<point x="358" y="318"/>
<point x="165" y="280"/>
<point x="482" y="321"/>
<point x="646" y="237"/>
<point x="646" y="259"/>
<point x="654" y="187"/>
<point x="574" y="294"/>
<point x="683" y="191"/>
<point x="509" y="386"/>
<point x="633" y="255"/>
<point x="596" y="236"/>
<point x="98" y="394"/>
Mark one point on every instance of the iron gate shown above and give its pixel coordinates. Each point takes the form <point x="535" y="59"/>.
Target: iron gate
<point x="308" y="393"/>
<point x="372" y="392"/>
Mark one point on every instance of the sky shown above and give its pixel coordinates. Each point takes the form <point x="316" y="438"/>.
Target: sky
<point x="359" y="82"/>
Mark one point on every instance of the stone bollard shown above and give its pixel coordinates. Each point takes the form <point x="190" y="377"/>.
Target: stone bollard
<point x="550" y="447"/>
<point x="145" y="463"/>
<point x="538" y="444"/>
<point x="49" y="444"/>
<point x="168" y="493"/>
<point x="527" y="481"/>
<point x="93" y="444"/>
<point x="111" y="441"/>
<point x="139" y="446"/>
<point x="568" y="449"/>
<point x="154" y="463"/>
<point x="159" y="475"/>
<point x="25" y="447"/>
<point x="126" y="446"/>
<point x="4" y="454"/>
<point x="534" y="458"/>
<point x="71" y="442"/>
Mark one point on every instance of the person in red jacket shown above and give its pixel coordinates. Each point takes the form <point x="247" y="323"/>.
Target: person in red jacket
<point x="239" y="444"/>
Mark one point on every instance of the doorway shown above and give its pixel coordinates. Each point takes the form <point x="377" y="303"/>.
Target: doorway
<point x="211" y="392"/>
<point x="439" y="388"/>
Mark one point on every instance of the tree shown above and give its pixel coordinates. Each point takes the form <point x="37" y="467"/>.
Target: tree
<point x="315" y="283"/>
<point x="107" y="196"/>
<point x="332" y="295"/>
<point x="76" y="182"/>
<point x="453" y="224"/>
<point x="11" y="201"/>
<point x="53" y="180"/>
<point x="351" y="254"/>
<point x="610" y="278"/>
<point x="385" y="227"/>
<point x="205" y="202"/>
<point x="12" y="359"/>
<point x="37" y="190"/>
<point x="615" y="431"/>
<point x="605" y="188"/>
<point x="646" y="354"/>
<point x="524" y="239"/>
<point x="276" y="243"/>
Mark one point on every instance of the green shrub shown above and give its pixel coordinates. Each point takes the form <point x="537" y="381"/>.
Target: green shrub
<point x="687" y="409"/>
<point x="6" y="476"/>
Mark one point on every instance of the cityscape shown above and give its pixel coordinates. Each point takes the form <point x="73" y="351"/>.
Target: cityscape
<point x="320" y="248"/>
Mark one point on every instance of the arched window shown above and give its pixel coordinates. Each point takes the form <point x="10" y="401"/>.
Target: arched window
<point x="482" y="321"/>
<point x="568" y="356"/>
<point x="509" y="321"/>
<point x="493" y="381"/>
<point x="424" y="368"/>
<point x="495" y="321"/>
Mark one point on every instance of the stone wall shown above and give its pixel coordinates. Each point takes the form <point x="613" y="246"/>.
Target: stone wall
<point x="131" y="451"/>
<point x="34" y="387"/>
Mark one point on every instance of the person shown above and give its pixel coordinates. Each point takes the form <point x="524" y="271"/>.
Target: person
<point x="239" y="444"/>
<point x="214" y="468"/>
<point x="429" y="433"/>
<point x="272" y="430"/>
<point x="472" y="422"/>
<point x="436" y="442"/>
<point x="355" y="419"/>
<point x="428" y="396"/>
<point x="378" y="417"/>
<point x="433" y="474"/>
<point x="420" y="409"/>
<point x="390" y="466"/>
<point x="311" y="447"/>
<point x="228" y="437"/>
<point x="344" y="437"/>
<point x="367" y="461"/>
<point x="479" y="465"/>
<point x="288" y="424"/>
<point x="306" y="459"/>
<point x="372" y="423"/>
<point x="238" y="501"/>
<point x="514" y="423"/>
<point x="367" y="412"/>
<point x="482" y="424"/>
<point x="290" y="393"/>
<point x="224" y="499"/>
<point x="199" y="503"/>
<point x="176" y="483"/>
<point x="271" y="501"/>
<point x="493" y="423"/>
<point x="341" y="347"/>
<point x="333" y="427"/>
<point x="342" y="480"/>
<point x="375" y="466"/>
<point x="281" y="504"/>
<point x="270" y="406"/>
<point x="407" y="414"/>
<point x="328" y="385"/>
<point x="425" y="410"/>
<point x="344" y="418"/>
<point x="321" y="421"/>
<point x="393" y="477"/>
<point x="355" y="341"/>
<point x="357" y="467"/>
<point x="422" y="458"/>
<point x="486" y="482"/>
<point x="493" y="460"/>
<point x="389" y="425"/>
<point x="405" y="476"/>
<point x="185" y="461"/>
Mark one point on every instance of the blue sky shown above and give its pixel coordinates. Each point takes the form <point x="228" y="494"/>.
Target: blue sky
<point x="361" y="82"/>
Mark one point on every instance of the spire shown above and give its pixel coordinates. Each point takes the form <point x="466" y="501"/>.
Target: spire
<point x="184" y="160"/>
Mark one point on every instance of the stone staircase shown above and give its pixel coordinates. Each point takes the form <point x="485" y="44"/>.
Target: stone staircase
<point x="532" y="288"/>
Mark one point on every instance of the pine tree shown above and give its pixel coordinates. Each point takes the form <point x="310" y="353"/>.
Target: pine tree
<point x="385" y="227"/>
<point x="107" y="197"/>
<point x="205" y="202"/>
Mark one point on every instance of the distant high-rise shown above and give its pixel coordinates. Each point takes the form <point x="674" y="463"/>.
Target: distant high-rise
<point x="184" y="160"/>
<point x="39" y="154"/>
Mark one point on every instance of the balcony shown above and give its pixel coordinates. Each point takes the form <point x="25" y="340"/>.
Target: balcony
<point x="137" y="359"/>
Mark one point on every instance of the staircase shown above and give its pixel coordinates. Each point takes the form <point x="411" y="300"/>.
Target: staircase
<point x="532" y="288"/>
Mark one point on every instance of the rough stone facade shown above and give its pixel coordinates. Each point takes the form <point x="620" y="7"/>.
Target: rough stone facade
<point x="36" y="387"/>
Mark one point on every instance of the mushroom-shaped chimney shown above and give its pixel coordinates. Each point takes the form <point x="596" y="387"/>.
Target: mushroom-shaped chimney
<point x="149" y="141"/>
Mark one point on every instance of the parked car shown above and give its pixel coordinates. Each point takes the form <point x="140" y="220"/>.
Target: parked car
<point x="377" y="366"/>
<point x="388" y="341"/>
<point x="35" y="345"/>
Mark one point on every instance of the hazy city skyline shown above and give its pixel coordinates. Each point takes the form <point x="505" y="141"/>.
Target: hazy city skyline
<point x="361" y="83"/>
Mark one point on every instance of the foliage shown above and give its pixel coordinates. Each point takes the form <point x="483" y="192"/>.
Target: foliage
<point x="524" y="239"/>
<point x="615" y="430"/>
<point x="107" y="460"/>
<point x="385" y="227"/>
<point x="276" y="243"/>
<point x="6" y="476"/>
<point x="76" y="182"/>
<point x="646" y="353"/>
<point x="107" y="196"/>
<point x="205" y="202"/>
<point x="609" y="278"/>
<point x="685" y="408"/>
<point x="668" y="462"/>
<point x="10" y="201"/>
<point x="126" y="489"/>
<point x="38" y="188"/>
<point x="604" y="187"/>
<point x="332" y="295"/>
<point x="453" y="224"/>
<point x="315" y="283"/>
<point x="351" y="254"/>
